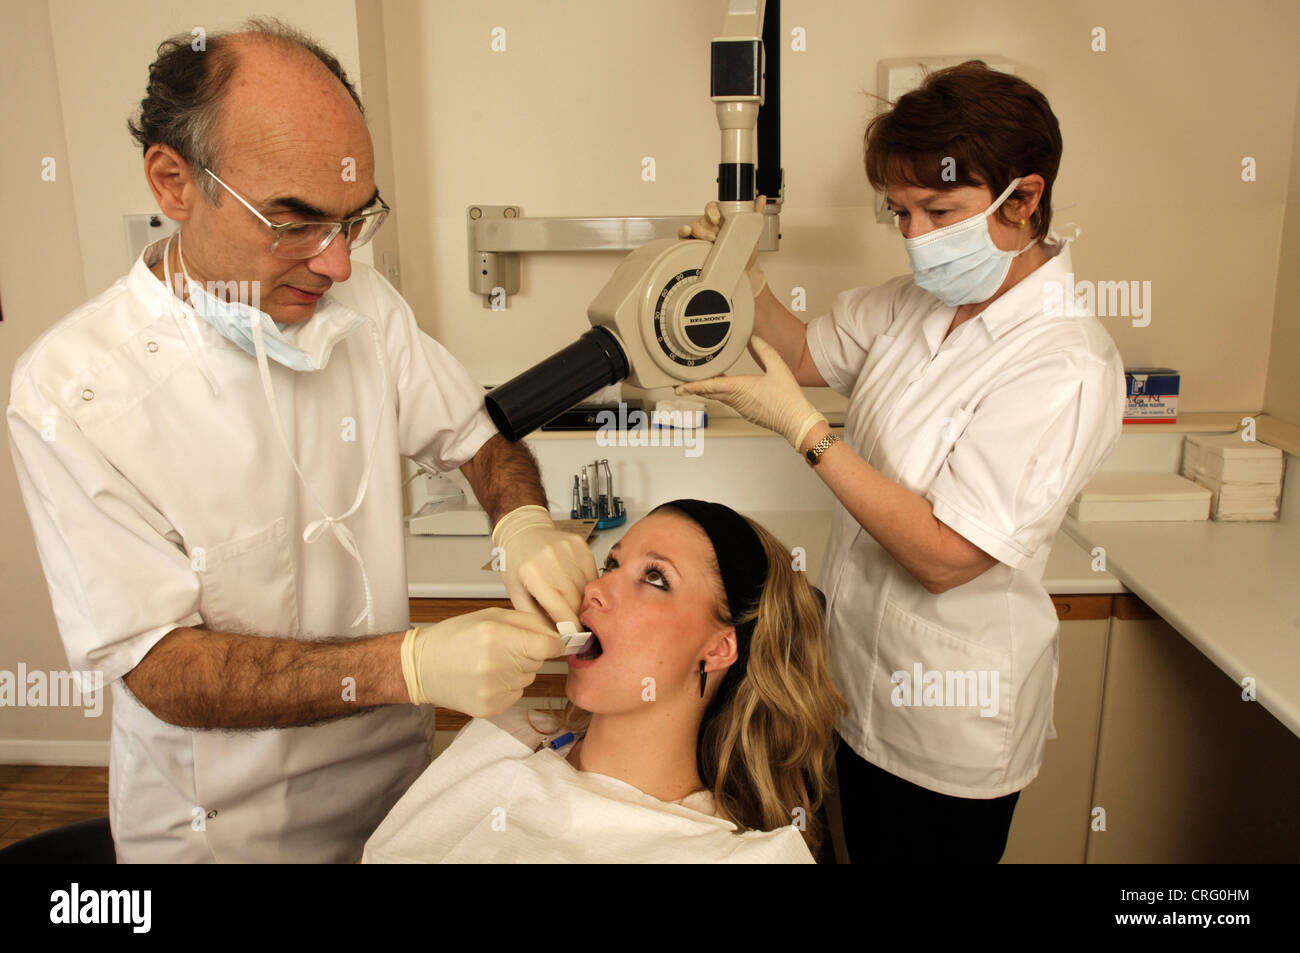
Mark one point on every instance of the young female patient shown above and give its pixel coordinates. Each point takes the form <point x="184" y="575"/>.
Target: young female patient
<point x="702" y="708"/>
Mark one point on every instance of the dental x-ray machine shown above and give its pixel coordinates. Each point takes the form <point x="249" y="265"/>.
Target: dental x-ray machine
<point x="679" y="310"/>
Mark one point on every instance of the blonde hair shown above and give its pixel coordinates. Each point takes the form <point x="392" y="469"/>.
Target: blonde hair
<point x="765" y="747"/>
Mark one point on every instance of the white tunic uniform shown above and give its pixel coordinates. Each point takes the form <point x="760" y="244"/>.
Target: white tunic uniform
<point x="161" y="496"/>
<point x="491" y="798"/>
<point x="999" y="427"/>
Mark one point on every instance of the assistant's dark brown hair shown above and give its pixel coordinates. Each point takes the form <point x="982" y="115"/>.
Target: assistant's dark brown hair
<point x="992" y="126"/>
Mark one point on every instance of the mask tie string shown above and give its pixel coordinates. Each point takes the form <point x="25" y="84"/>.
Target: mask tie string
<point x="314" y="529"/>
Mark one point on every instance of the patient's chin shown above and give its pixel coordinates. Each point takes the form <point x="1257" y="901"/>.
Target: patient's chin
<point x="579" y="694"/>
<point x="592" y="692"/>
<point x="614" y="692"/>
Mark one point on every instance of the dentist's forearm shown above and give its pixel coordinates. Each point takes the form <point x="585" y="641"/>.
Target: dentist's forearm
<point x="504" y="477"/>
<point x="197" y="678"/>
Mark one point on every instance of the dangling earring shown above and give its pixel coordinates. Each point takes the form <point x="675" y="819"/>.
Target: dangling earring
<point x="703" y="677"/>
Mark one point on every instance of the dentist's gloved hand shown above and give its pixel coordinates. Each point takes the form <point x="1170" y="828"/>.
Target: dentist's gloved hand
<point x="545" y="569"/>
<point x="774" y="400"/>
<point x="706" y="228"/>
<point x="478" y="663"/>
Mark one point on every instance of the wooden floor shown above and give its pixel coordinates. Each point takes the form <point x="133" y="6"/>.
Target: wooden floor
<point x="35" y="798"/>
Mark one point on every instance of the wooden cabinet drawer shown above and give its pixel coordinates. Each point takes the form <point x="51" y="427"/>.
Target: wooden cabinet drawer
<point x="436" y="610"/>
<point x="1076" y="608"/>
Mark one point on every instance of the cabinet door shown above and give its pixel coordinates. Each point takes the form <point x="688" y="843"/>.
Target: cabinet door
<point x="1187" y="771"/>
<point x="1050" y="825"/>
<point x="424" y="611"/>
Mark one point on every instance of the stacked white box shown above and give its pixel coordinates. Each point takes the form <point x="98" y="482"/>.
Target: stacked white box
<point x="1244" y="476"/>
<point x="1145" y="497"/>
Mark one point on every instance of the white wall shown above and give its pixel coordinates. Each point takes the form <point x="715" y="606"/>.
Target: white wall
<point x="40" y="280"/>
<point x="1155" y="129"/>
<point x="1282" y="398"/>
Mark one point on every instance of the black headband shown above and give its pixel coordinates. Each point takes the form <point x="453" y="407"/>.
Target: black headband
<point x="741" y="557"/>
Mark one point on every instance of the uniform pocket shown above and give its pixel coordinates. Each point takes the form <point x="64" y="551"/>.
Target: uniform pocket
<point x="940" y="701"/>
<point x="249" y="584"/>
<point x="930" y="449"/>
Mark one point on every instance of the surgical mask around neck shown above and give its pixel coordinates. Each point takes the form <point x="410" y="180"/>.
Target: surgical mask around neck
<point x="234" y="320"/>
<point x="959" y="264"/>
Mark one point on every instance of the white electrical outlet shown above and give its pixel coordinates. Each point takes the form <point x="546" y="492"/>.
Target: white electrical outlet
<point x="439" y="487"/>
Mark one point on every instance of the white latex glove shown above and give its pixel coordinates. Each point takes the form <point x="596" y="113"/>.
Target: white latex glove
<point x="774" y="400"/>
<point x="706" y="228"/>
<point x="545" y="570"/>
<point x="478" y="663"/>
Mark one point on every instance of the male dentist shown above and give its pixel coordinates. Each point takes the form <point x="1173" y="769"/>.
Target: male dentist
<point x="209" y="454"/>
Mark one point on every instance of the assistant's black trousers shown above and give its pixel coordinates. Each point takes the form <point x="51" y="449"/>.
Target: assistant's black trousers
<point x="892" y="821"/>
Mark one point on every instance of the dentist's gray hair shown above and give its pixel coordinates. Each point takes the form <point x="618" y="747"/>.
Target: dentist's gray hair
<point x="182" y="104"/>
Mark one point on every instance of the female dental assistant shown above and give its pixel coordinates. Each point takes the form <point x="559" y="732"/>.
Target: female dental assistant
<point x="976" y="413"/>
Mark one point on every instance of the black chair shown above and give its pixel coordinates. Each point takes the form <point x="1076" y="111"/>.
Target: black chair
<point x="85" y="842"/>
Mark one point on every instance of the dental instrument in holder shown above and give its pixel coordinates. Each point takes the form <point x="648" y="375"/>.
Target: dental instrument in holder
<point x="604" y="507"/>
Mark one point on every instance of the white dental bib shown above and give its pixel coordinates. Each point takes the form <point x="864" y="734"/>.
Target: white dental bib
<point x="489" y="798"/>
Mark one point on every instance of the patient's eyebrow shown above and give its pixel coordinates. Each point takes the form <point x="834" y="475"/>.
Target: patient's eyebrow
<point x="659" y="556"/>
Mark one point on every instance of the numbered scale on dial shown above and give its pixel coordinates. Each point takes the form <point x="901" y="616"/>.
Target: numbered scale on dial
<point x="705" y="324"/>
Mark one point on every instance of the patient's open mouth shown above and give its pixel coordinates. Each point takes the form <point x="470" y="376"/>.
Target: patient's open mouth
<point x="593" y="648"/>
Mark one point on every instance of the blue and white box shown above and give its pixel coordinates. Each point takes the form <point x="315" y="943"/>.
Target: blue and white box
<point x="1152" y="395"/>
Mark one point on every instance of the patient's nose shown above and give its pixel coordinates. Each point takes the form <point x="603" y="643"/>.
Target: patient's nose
<point x="594" y="595"/>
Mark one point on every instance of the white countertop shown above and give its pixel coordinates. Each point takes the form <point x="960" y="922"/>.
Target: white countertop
<point x="448" y="567"/>
<point x="1231" y="589"/>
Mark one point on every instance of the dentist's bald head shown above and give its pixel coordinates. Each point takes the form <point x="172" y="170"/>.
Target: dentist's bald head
<point x="273" y="116"/>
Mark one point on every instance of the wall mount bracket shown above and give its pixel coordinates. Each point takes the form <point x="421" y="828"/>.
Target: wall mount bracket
<point x="498" y="234"/>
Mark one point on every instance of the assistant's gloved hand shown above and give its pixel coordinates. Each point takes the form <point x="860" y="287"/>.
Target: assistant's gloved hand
<point x="545" y="569"/>
<point x="706" y="228"/>
<point x="773" y="400"/>
<point x="478" y="663"/>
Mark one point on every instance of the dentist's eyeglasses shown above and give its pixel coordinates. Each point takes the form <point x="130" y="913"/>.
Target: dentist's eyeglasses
<point x="309" y="239"/>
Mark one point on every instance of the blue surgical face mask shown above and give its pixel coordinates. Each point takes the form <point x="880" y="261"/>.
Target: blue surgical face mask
<point x="233" y="320"/>
<point x="959" y="264"/>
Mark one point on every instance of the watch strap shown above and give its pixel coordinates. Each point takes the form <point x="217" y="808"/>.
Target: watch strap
<point x="814" y="453"/>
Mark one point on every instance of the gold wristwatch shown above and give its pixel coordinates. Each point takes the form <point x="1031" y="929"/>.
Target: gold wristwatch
<point x="814" y="453"/>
